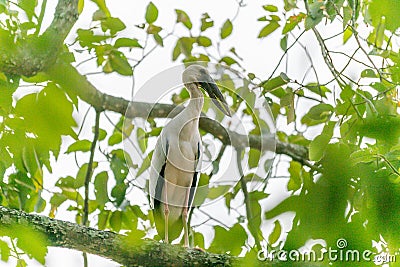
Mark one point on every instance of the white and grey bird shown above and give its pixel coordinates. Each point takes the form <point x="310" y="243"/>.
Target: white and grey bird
<point x="175" y="161"/>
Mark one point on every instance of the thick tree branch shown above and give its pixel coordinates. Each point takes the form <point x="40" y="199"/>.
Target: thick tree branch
<point x="118" y="248"/>
<point x="34" y="54"/>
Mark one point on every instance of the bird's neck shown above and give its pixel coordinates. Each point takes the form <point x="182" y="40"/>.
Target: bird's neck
<point x="196" y="100"/>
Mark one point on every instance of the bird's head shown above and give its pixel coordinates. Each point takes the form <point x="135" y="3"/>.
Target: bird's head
<point x="198" y="75"/>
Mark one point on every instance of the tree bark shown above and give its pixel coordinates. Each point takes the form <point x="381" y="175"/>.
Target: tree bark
<point x="119" y="248"/>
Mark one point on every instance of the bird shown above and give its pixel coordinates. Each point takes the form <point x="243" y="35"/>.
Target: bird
<point x="175" y="161"/>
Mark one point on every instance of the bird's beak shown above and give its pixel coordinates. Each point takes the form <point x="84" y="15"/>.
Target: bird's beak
<point x="213" y="91"/>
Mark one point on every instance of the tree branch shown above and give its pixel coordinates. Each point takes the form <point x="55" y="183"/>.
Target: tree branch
<point x="68" y="77"/>
<point x="119" y="248"/>
<point x="34" y="54"/>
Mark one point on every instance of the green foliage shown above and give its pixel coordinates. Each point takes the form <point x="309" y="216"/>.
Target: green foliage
<point x="230" y="240"/>
<point x="273" y="21"/>
<point x="182" y="17"/>
<point x="226" y="29"/>
<point x="151" y="13"/>
<point x="315" y="14"/>
<point x="387" y="10"/>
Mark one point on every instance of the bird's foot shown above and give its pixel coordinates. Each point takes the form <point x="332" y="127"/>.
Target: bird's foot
<point x="199" y="249"/>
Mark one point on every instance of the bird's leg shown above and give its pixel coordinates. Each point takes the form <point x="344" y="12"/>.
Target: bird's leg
<point x="166" y="213"/>
<point x="184" y="219"/>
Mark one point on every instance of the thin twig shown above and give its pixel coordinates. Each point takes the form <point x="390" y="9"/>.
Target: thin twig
<point x="89" y="169"/>
<point x="41" y="16"/>
<point x="249" y="212"/>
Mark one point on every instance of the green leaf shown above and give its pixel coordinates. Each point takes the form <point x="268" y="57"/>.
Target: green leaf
<point x="270" y="8"/>
<point x="368" y="73"/>
<point x="317" y="114"/>
<point x="116" y="220"/>
<point x="88" y="39"/>
<point x="183" y="18"/>
<point x="177" y="51"/>
<point x="6" y="93"/>
<point x="100" y="187"/>
<point x="127" y="42"/>
<point x="292" y="22"/>
<point x="228" y="240"/>
<point x="318" y="89"/>
<point x="28" y="6"/>
<point x="102" y="134"/>
<point x="254" y="157"/>
<point x="26" y="236"/>
<point x="59" y="120"/>
<point x="216" y="192"/>
<point x="362" y="156"/>
<point x="113" y="24"/>
<point x="348" y="32"/>
<point x="332" y="7"/>
<point x="251" y="76"/>
<point x="81" y="4"/>
<point x="138" y="212"/>
<point x="380" y="87"/>
<point x="80" y="145"/>
<point x="198" y="239"/>
<point x="118" y="164"/>
<point x="254" y="223"/>
<point x="145" y="164"/>
<point x="226" y="29"/>
<point x="283" y="42"/>
<point x="387" y="9"/>
<point x="118" y="193"/>
<point x="204" y="41"/>
<point x="99" y="15"/>
<point x="202" y="190"/>
<point x="186" y="45"/>
<point x="21" y="263"/>
<point x="102" y="6"/>
<point x="103" y="219"/>
<point x="295" y="180"/>
<point x="142" y="139"/>
<point x="275" y="82"/>
<point x="81" y="175"/>
<point x="56" y="200"/>
<point x="120" y="64"/>
<point x="151" y="13"/>
<point x="206" y="22"/>
<point x="275" y="234"/>
<point x="267" y="30"/>
<point x="115" y="138"/>
<point x="319" y="144"/>
<point x="315" y="15"/>
<point x="159" y="40"/>
<point x="228" y="61"/>
<point x="4" y="251"/>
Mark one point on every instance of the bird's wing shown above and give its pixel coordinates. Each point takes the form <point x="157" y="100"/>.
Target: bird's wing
<point x="195" y="180"/>
<point x="157" y="168"/>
